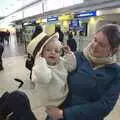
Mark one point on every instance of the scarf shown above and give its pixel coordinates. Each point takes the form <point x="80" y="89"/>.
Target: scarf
<point x="98" y="61"/>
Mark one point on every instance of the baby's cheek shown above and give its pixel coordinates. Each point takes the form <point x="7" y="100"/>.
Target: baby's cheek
<point x="57" y="58"/>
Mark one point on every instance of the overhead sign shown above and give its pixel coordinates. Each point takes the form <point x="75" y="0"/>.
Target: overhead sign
<point x="86" y="14"/>
<point x="52" y="18"/>
<point x="65" y="17"/>
<point x="74" y="24"/>
<point x="39" y="20"/>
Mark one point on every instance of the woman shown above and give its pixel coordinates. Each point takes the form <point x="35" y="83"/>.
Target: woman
<point x="95" y="84"/>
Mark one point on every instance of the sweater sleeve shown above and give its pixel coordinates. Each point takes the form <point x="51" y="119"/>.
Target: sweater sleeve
<point x="40" y="72"/>
<point x="95" y="110"/>
<point x="70" y="61"/>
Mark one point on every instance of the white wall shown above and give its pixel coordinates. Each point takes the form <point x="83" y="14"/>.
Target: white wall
<point x="96" y="22"/>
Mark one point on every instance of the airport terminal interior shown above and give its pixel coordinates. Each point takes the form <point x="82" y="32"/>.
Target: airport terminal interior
<point x="18" y="20"/>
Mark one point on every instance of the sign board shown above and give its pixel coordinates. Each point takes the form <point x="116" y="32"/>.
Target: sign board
<point x="52" y="18"/>
<point x="86" y="14"/>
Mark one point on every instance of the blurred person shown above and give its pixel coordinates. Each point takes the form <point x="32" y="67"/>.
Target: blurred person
<point x="1" y="53"/>
<point x="7" y="36"/>
<point x="38" y="30"/>
<point x="61" y="34"/>
<point x="71" y="42"/>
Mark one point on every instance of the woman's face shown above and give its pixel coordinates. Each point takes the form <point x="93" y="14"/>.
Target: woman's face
<point x="100" y="46"/>
<point x="51" y="52"/>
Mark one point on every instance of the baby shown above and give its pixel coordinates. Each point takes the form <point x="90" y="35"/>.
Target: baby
<point x="50" y="71"/>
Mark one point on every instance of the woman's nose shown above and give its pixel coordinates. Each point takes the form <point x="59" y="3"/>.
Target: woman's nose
<point x="95" y="44"/>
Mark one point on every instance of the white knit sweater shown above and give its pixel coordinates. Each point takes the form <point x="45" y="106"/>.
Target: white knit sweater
<point x="51" y="81"/>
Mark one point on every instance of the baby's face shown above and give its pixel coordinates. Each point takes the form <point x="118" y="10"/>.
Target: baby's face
<point x="51" y="52"/>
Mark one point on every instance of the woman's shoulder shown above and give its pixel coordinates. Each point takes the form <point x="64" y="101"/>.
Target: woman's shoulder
<point x="117" y="66"/>
<point x="113" y="66"/>
<point x="113" y="69"/>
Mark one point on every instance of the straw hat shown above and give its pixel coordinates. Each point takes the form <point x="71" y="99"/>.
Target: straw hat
<point x="37" y="44"/>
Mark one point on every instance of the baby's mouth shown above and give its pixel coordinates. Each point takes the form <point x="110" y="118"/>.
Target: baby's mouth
<point x="51" y="57"/>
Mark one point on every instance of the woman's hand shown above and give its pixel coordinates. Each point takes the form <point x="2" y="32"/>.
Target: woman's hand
<point x="55" y="113"/>
<point x="67" y="49"/>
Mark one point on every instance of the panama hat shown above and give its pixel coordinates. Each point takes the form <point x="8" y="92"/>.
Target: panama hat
<point x="37" y="44"/>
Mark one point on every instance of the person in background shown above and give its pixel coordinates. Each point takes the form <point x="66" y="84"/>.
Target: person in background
<point x="1" y="53"/>
<point x="71" y="42"/>
<point x="61" y="34"/>
<point x="38" y="30"/>
<point x="94" y="86"/>
<point x="7" y="36"/>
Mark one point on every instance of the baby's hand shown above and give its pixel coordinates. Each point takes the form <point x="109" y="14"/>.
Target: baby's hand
<point x="67" y="49"/>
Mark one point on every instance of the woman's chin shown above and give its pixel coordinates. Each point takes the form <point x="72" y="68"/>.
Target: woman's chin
<point x="96" y="55"/>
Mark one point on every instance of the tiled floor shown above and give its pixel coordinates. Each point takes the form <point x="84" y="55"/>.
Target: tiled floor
<point x="13" y="48"/>
<point x="14" y="67"/>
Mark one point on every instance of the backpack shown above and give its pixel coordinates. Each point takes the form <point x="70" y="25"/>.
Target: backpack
<point x="29" y="62"/>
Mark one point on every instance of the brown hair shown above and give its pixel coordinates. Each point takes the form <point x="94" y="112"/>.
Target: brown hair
<point x="112" y="32"/>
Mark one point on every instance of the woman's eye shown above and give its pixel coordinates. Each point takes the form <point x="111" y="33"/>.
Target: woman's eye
<point x="102" y="45"/>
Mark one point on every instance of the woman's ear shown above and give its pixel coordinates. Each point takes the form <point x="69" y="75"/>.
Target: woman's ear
<point x="114" y="50"/>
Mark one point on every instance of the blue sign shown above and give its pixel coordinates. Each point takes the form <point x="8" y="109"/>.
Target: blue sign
<point x="74" y="24"/>
<point x="33" y="21"/>
<point x="86" y="14"/>
<point x="52" y="18"/>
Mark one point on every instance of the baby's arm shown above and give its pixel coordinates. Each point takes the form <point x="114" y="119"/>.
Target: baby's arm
<point x="40" y="72"/>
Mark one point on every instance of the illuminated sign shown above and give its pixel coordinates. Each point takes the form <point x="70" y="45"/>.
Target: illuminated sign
<point x="86" y="14"/>
<point x="52" y="18"/>
<point x="39" y="20"/>
<point x="65" y="17"/>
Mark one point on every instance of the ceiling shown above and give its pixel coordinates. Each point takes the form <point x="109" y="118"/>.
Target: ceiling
<point x="9" y="6"/>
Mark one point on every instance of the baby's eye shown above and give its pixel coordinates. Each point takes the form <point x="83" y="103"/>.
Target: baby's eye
<point x="103" y="45"/>
<point x="48" y="49"/>
<point x="57" y="51"/>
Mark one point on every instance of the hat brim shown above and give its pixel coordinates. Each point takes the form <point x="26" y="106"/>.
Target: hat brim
<point x="54" y="36"/>
<point x="33" y="44"/>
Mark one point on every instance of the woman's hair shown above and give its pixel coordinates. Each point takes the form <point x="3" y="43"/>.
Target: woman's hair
<point x="112" y="32"/>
